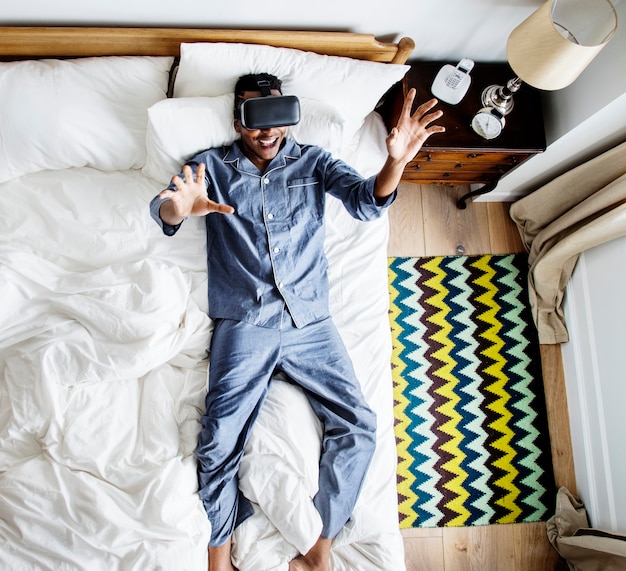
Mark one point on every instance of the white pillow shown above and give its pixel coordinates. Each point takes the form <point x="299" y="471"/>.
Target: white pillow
<point x="181" y="127"/>
<point x="352" y="87"/>
<point x="72" y="113"/>
<point x="320" y="124"/>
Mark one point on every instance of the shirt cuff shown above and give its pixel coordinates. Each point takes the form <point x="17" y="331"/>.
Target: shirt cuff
<point x="155" y="207"/>
<point x="169" y="230"/>
<point x="387" y="200"/>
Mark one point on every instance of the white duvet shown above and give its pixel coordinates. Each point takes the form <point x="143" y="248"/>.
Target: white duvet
<point x="103" y="358"/>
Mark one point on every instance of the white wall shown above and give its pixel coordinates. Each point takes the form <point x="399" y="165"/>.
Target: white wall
<point x="596" y="383"/>
<point x="594" y="310"/>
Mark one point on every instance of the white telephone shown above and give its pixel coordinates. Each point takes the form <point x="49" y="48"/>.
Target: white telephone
<point x="452" y="83"/>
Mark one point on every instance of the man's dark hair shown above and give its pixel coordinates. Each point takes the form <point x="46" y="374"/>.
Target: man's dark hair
<point x="250" y="82"/>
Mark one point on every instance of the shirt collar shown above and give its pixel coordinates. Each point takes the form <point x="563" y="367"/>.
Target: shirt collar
<point x="235" y="156"/>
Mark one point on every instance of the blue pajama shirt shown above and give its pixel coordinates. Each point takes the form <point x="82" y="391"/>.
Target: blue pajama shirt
<point x="268" y="296"/>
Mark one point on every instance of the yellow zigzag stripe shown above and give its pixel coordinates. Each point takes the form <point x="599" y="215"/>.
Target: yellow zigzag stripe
<point x="498" y="388"/>
<point x="443" y="336"/>
<point x="402" y="422"/>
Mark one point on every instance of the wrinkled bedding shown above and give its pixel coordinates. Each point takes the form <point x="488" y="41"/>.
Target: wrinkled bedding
<point x="104" y="340"/>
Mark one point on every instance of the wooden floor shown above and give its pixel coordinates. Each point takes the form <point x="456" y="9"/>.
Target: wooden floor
<point x="424" y="221"/>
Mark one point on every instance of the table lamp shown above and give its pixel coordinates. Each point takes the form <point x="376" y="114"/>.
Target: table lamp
<point x="553" y="46"/>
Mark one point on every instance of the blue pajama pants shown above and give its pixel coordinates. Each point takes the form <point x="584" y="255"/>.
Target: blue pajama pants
<point x="244" y="358"/>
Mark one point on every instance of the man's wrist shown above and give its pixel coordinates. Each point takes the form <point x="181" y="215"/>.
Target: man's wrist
<point x="167" y="215"/>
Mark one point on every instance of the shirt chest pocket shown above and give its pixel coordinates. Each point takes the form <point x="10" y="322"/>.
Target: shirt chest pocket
<point x="306" y="198"/>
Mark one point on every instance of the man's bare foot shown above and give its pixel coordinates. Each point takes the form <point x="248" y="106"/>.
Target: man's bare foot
<point x="317" y="559"/>
<point x="219" y="558"/>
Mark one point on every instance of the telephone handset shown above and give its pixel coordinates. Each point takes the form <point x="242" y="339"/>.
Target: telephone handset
<point x="452" y="83"/>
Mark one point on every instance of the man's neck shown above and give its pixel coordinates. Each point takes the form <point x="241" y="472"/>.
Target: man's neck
<point x="259" y="162"/>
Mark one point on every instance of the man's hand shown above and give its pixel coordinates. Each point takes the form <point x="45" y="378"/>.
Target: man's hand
<point x="189" y="198"/>
<point x="404" y="141"/>
<point x="408" y="136"/>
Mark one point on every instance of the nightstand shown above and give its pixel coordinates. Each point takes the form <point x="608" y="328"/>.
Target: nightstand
<point x="460" y="156"/>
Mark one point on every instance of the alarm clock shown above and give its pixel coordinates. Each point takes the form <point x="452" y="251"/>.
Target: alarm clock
<point x="488" y="122"/>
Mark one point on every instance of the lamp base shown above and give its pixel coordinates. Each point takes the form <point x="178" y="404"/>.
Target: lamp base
<point x="500" y="97"/>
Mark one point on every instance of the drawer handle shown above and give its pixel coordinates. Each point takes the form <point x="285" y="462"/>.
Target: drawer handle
<point x="428" y="158"/>
<point x="446" y="174"/>
<point x="458" y="166"/>
<point x="472" y="155"/>
<point x="418" y="168"/>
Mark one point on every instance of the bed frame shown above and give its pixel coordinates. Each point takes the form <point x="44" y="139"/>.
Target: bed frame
<point x="35" y="42"/>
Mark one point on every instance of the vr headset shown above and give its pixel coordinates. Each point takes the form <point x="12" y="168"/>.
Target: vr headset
<point x="268" y="110"/>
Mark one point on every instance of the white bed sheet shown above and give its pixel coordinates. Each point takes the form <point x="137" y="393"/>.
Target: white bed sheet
<point x="103" y="358"/>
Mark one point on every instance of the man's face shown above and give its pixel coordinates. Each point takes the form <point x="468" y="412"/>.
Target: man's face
<point x="260" y="145"/>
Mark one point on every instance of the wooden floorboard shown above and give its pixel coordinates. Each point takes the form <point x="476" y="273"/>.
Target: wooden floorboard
<point x="449" y="230"/>
<point x="425" y="222"/>
<point x="405" y="236"/>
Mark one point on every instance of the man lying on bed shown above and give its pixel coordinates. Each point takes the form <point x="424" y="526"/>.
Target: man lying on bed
<point x="268" y="297"/>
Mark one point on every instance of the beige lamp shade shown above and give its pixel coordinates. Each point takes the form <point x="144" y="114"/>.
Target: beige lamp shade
<point x="543" y="57"/>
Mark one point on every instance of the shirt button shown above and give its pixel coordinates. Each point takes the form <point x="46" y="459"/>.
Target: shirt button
<point x="270" y="216"/>
<point x="266" y="181"/>
<point x="281" y="284"/>
<point x="276" y="250"/>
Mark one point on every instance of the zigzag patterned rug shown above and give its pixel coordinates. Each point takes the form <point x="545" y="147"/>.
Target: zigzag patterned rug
<point x="471" y="430"/>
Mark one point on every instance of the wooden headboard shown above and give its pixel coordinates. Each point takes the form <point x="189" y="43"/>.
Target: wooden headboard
<point x="34" y="42"/>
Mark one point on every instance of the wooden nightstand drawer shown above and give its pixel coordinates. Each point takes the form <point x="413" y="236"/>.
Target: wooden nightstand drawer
<point x="468" y="158"/>
<point x="454" y="167"/>
<point x="446" y="166"/>
<point x="452" y="176"/>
